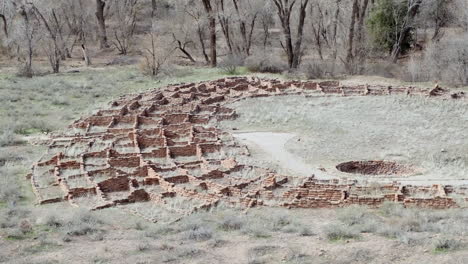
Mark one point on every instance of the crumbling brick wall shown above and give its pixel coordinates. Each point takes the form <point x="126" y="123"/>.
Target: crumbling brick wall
<point x="164" y="144"/>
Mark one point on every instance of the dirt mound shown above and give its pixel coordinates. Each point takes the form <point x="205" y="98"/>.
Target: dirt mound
<point x="374" y="167"/>
<point x="163" y="148"/>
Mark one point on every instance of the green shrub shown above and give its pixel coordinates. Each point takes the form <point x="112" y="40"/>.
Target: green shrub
<point x="444" y="245"/>
<point x="384" y="22"/>
<point x="231" y="64"/>
<point x="265" y="63"/>
<point x="339" y="232"/>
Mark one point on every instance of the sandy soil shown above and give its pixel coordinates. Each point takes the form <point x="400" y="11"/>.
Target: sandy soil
<point x="273" y="147"/>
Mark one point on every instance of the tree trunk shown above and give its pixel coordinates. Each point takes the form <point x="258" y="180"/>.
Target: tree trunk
<point x="284" y="9"/>
<point x="182" y="48"/>
<point x="288" y="40"/>
<point x="212" y="22"/>
<point x="27" y="70"/>
<point x="266" y="32"/>
<point x="354" y="14"/>
<point x="413" y="8"/>
<point x="213" y="41"/>
<point x="102" y="34"/>
<point x="224" y="22"/>
<point x="297" y="55"/>
<point x="153" y="8"/>
<point x="5" y="27"/>
<point x="202" y="44"/>
<point x="55" y="55"/>
<point x="85" y="55"/>
<point x="335" y="29"/>
<point x="362" y="16"/>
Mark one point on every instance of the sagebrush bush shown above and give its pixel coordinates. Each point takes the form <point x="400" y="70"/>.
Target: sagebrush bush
<point x="321" y="70"/>
<point x="265" y="63"/>
<point x="339" y="232"/>
<point x="143" y="246"/>
<point x="391" y="209"/>
<point x="10" y="190"/>
<point x="83" y="222"/>
<point x="353" y="215"/>
<point x="7" y="137"/>
<point x="51" y="219"/>
<point x="231" y="64"/>
<point x="230" y="223"/>
<point x="445" y="244"/>
<point x="200" y="234"/>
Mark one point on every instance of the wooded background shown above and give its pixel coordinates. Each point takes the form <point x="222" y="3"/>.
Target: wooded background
<point x="416" y="40"/>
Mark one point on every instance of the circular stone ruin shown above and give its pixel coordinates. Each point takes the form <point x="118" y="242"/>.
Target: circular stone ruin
<point x="162" y="155"/>
<point x="374" y="167"/>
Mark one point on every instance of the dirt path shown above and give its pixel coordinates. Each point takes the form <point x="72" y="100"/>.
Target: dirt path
<point x="273" y="146"/>
<point x="273" y="149"/>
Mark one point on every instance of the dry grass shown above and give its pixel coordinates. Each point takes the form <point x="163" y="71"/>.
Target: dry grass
<point x="49" y="232"/>
<point x="408" y="130"/>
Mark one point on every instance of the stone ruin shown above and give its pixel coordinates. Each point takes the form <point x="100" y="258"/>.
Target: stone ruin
<point x="164" y="151"/>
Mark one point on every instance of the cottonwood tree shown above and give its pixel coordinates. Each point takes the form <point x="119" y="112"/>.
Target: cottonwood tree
<point x="405" y="28"/>
<point x="460" y="10"/>
<point x="25" y="36"/>
<point x="77" y="16"/>
<point x="5" y="25"/>
<point x="247" y="13"/>
<point x="101" y="22"/>
<point x="237" y="19"/>
<point x="325" y="20"/>
<point x="192" y="17"/>
<point x="52" y="46"/>
<point x="437" y="14"/>
<point x="125" y="13"/>
<point x="211" y="14"/>
<point x="156" y="54"/>
<point x="392" y="24"/>
<point x="267" y="21"/>
<point x="285" y="9"/>
<point x="185" y="34"/>
<point x="356" y="47"/>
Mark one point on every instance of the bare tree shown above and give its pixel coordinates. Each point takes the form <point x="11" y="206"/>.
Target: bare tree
<point x="405" y="28"/>
<point x="209" y="9"/>
<point x="76" y="15"/>
<point x="156" y="56"/>
<point x="325" y="19"/>
<point x="25" y="36"/>
<point x="247" y="15"/>
<point x="267" y="20"/>
<point x="52" y="26"/>
<point x="284" y="10"/>
<point x="318" y="26"/>
<point x="125" y="13"/>
<point x="182" y="45"/>
<point x="356" y="36"/>
<point x="102" y="32"/>
<point x="201" y="22"/>
<point x="5" y="25"/>
<point x="154" y="8"/>
<point x="437" y="14"/>
<point x="237" y="19"/>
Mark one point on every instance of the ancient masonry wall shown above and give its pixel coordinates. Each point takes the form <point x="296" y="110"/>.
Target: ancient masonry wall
<point x="164" y="146"/>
